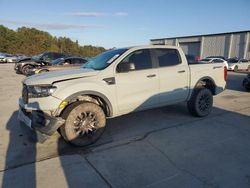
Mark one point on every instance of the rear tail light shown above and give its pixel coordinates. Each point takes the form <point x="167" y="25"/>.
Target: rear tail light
<point x="225" y="73"/>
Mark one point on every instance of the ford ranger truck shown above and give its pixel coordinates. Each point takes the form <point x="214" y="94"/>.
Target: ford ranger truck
<point x="120" y="81"/>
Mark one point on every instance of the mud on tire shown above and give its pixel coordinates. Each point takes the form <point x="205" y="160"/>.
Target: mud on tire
<point x="84" y="123"/>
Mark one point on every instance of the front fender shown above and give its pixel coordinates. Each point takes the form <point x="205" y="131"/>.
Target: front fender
<point x="70" y="90"/>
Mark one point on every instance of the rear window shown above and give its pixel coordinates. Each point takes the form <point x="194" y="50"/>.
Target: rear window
<point x="205" y="60"/>
<point x="167" y="57"/>
<point x="232" y="60"/>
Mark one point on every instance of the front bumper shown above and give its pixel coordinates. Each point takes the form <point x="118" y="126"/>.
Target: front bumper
<point x="3" y="61"/>
<point x="41" y="123"/>
<point x="17" y="68"/>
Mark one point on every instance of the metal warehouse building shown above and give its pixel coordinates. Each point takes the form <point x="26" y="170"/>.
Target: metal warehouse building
<point x="233" y="44"/>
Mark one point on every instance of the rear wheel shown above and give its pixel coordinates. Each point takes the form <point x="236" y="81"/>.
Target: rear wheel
<point x="84" y="123"/>
<point x="201" y="102"/>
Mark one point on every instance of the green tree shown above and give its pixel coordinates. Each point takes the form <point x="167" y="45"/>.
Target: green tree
<point x="31" y="41"/>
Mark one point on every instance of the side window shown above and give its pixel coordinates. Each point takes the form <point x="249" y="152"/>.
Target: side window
<point x="67" y="62"/>
<point x="75" y="61"/>
<point x="167" y="57"/>
<point x="51" y="56"/>
<point x="82" y="61"/>
<point x="218" y="61"/>
<point x="140" y="58"/>
<point x="57" y="55"/>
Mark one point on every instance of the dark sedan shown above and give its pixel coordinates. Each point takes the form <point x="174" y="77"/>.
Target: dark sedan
<point x="60" y="64"/>
<point x="24" y="66"/>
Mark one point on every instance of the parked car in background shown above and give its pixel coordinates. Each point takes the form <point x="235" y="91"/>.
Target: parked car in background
<point x="22" y="57"/>
<point x="214" y="60"/>
<point x="246" y="82"/>
<point x="236" y="64"/>
<point x="3" y="58"/>
<point x="60" y="64"/>
<point x="10" y="58"/>
<point x="24" y="66"/>
<point x="220" y="57"/>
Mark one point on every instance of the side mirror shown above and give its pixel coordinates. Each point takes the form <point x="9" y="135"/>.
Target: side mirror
<point x="125" y="67"/>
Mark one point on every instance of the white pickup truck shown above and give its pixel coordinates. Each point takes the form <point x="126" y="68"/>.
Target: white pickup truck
<point x="78" y="102"/>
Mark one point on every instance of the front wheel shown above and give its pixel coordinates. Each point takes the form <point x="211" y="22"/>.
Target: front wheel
<point x="236" y="69"/>
<point x="201" y="102"/>
<point x="84" y="123"/>
<point x="26" y="68"/>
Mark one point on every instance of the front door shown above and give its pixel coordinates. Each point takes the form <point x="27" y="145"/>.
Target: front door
<point x="137" y="89"/>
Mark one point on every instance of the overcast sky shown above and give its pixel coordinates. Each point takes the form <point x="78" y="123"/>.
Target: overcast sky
<point x="118" y="23"/>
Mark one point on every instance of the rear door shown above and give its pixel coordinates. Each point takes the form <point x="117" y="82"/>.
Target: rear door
<point x="137" y="89"/>
<point x="173" y="75"/>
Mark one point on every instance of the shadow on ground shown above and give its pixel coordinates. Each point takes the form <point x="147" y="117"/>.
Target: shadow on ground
<point x="129" y="131"/>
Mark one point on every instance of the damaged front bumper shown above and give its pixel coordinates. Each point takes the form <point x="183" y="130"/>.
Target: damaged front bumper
<point x="41" y="123"/>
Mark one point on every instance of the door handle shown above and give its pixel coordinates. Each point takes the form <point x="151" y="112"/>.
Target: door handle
<point x="181" y="71"/>
<point x="217" y="67"/>
<point x="151" y="75"/>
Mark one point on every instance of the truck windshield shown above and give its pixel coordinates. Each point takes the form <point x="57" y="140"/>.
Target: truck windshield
<point x="103" y="60"/>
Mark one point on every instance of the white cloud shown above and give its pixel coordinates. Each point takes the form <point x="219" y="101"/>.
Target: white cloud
<point x="87" y="14"/>
<point x="121" y="14"/>
<point x="97" y="14"/>
<point x="50" y="26"/>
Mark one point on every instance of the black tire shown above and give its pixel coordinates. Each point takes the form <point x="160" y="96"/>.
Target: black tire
<point x="236" y="69"/>
<point x="76" y="130"/>
<point x="201" y="102"/>
<point x="26" y="68"/>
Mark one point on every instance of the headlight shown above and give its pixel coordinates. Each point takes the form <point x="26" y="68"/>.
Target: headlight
<point x="41" y="91"/>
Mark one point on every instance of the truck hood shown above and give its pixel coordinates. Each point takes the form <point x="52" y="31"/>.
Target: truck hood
<point x="59" y="76"/>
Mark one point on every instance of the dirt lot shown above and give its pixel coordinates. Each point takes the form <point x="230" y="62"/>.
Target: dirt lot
<point x="164" y="147"/>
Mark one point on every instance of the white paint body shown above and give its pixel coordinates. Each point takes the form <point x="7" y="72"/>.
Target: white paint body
<point x="132" y="91"/>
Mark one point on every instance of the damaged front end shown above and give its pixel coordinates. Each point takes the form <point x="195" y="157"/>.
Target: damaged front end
<point x="41" y="123"/>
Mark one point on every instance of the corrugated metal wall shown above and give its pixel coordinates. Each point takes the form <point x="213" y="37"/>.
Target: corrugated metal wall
<point x="227" y="45"/>
<point x="191" y="48"/>
<point x="216" y="45"/>
<point x="238" y="45"/>
<point x="170" y="42"/>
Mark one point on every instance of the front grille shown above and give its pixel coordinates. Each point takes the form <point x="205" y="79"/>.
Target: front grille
<point x="25" y="94"/>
